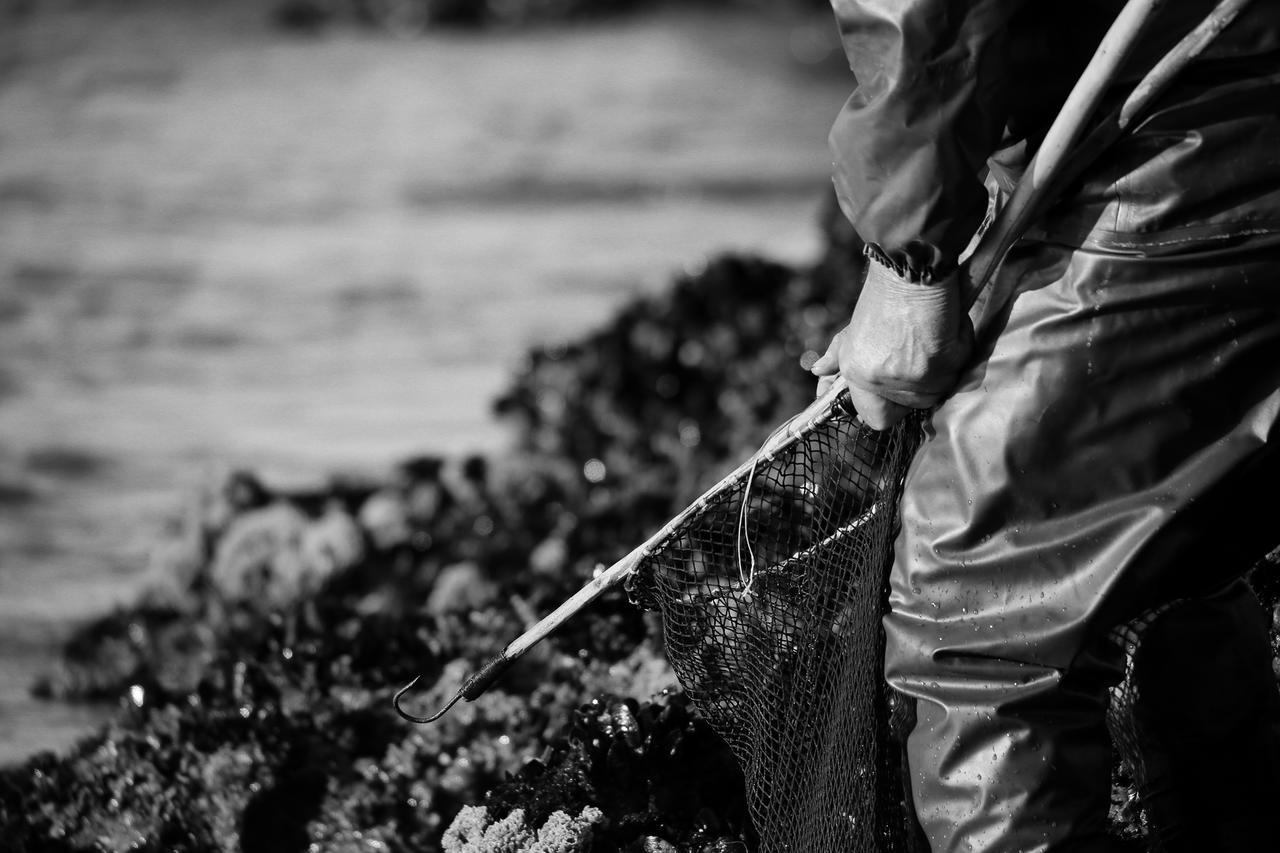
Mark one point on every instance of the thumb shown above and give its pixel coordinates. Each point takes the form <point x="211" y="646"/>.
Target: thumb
<point x="829" y="362"/>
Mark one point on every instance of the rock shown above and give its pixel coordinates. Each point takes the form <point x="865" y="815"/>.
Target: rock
<point x="182" y="652"/>
<point x="426" y="501"/>
<point x="385" y="518"/>
<point x="461" y="588"/>
<point x="333" y="543"/>
<point x="259" y="559"/>
<point x="550" y="556"/>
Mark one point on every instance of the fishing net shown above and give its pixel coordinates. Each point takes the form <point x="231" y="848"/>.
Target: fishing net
<point x="1191" y="721"/>
<point x="771" y="594"/>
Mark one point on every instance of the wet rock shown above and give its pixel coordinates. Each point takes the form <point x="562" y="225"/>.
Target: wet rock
<point x="259" y="558"/>
<point x="333" y="543"/>
<point x="182" y="652"/>
<point x="385" y="518"/>
<point x="654" y="844"/>
<point x="550" y="557"/>
<point x="461" y="588"/>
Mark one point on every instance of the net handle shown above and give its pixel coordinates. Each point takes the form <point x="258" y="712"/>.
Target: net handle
<point x="1063" y="156"/>
<point x="1053" y="165"/>
<point x="816" y="413"/>
<point x="822" y="409"/>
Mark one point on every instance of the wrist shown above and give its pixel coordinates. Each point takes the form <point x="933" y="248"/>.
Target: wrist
<point x="922" y="269"/>
<point x="885" y="285"/>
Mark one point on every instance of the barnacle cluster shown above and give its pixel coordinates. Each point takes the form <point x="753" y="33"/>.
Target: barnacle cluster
<point x="473" y="832"/>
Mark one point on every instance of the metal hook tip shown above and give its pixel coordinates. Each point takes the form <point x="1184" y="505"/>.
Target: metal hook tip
<point x="399" y="697"/>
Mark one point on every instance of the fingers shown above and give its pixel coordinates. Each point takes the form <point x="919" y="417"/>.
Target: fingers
<point x="827" y="367"/>
<point x="829" y="363"/>
<point x="875" y="411"/>
<point x="883" y="399"/>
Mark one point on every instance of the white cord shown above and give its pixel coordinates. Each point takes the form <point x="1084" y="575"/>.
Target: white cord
<point x="749" y="578"/>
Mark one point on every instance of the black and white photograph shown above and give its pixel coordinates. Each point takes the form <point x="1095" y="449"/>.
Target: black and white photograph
<point x="639" y="426"/>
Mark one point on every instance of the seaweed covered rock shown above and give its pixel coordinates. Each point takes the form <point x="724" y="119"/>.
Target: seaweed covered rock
<point x="691" y="377"/>
<point x="654" y="770"/>
<point x="292" y="741"/>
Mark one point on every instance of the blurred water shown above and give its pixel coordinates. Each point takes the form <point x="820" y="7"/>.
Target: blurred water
<point x="224" y="246"/>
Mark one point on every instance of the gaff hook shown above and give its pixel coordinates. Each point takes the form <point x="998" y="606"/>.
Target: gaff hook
<point x="415" y="719"/>
<point x="470" y="690"/>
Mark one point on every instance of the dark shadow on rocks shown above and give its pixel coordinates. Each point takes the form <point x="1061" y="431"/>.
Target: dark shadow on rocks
<point x="275" y="820"/>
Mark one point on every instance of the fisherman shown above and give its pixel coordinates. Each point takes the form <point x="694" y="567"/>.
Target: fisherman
<point x="1107" y="436"/>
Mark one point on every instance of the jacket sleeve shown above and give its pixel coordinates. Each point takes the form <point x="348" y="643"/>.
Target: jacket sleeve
<point x="910" y="144"/>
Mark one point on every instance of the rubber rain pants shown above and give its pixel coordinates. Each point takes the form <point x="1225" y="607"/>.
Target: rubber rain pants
<point x="1105" y="455"/>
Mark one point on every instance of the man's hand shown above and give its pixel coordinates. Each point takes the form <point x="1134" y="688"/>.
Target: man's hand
<point x="903" y="349"/>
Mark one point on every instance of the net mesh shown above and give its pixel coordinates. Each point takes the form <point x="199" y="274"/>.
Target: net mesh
<point x="771" y="595"/>
<point x="1196" y="703"/>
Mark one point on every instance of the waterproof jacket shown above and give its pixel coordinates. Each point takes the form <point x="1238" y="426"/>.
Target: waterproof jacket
<point x="954" y="93"/>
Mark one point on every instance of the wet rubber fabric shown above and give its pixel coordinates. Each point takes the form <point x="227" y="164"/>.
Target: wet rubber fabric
<point x="945" y="87"/>
<point x="1103" y="456"/>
